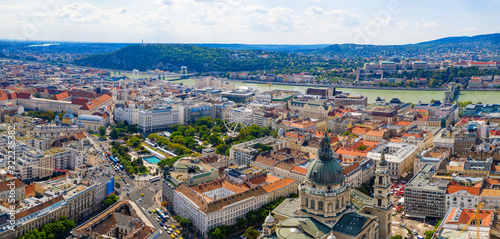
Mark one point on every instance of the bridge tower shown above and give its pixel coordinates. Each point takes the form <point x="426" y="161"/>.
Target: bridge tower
<point x="184" y="70"/>
<point x="135" y="73"/>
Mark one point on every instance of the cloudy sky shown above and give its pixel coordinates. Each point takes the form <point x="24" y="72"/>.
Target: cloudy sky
<point x="245" y="21"/>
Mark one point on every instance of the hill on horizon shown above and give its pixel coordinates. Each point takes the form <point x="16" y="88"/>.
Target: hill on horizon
<point x="480" y="44"/>
<point x="242" y="57"/>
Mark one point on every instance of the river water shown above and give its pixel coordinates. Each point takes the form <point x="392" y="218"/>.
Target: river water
<point x="410" y="96"/>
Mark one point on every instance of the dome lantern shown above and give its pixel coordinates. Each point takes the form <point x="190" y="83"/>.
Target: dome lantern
<point x="325" y="170"/>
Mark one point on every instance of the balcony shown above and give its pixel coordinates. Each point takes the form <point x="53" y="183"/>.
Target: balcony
<point x="325" y="193"/>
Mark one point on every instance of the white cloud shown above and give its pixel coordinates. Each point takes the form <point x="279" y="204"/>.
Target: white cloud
<point x="292" y="21"/>
<point x="314" y="10"/>
<point x="253" y="9"/>
<point x="426" y="25"/>
<point x="167" y="2"/>
<point x="344" y="17"/>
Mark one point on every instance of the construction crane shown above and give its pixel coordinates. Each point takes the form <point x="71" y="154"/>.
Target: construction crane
<point x="478" y="221"/>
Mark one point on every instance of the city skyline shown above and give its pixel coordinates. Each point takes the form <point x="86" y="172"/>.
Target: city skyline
<point x="256" y="22"/>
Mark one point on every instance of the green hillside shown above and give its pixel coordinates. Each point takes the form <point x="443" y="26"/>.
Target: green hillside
<point x="204" y="59"/>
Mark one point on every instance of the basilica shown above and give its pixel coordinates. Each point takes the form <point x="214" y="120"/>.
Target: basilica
<point x="327" y="208"/>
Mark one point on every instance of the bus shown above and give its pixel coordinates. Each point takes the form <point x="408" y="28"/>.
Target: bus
<point x="163" y="217"/>
<point x="154" y="179"/>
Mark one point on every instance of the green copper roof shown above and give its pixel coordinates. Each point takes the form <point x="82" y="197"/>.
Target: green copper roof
<point x="383" y="162"/>
<point x="301" y="228"/>
<point x="325" y="170"/>
<point x="350" y="224"/>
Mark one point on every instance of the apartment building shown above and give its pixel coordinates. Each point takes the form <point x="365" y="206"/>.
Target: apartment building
<point x="207" y="213"/>
<point x="190" y="112"/>
<point x="400" y="157"/>
<point x="157" y="118"/>
<point x="129" y="114"/>
<point x="19" y="189"/>
<point x="425" y="195"/>
<point x="243" y="153"/>
<point x="314" y="109"/>
<point x="123" y="220"/>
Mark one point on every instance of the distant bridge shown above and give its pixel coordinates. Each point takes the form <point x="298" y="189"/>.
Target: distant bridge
<point x="181" y="73"/>
<point x="451" y="92"/>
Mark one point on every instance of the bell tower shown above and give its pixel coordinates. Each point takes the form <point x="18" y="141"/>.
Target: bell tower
<point x="114" y="92"/>
<point x="382" y="205"/>
<point x="382" y="185"/>
<point x="268" y="228"/>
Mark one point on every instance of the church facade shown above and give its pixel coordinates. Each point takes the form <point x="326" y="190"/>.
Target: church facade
<point x="327" y="208"/>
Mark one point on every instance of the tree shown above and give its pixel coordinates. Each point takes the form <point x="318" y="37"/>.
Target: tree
<point x="396" y="237"/>
<point x="214" y="140"/>
<point x="433" y="83"/>
<point x="102" y="131"/>
<point x="251" y="233"/>
<point x="110" y="200"/>
<point x="190" y="132"/>
<point x="134" y="141"/>
<point x="56" y="229"/>
<point x="132" y="129"/>
<point x="185" y="222"/>
<point x="216" y="233"/>
<point x="429" y="233"/>
<point x="117" y="185"/>
<point x="114" y="133"/>
<point x="241" y="223"/>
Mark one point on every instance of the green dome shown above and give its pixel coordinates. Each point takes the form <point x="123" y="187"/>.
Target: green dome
<point x="325" y="170"/>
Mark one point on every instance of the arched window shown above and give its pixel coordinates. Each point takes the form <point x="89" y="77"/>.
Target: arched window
<point x="320" y="205"/>
<point x="307" y="202"/>
<point x="337" y="204"/>
<point x="342" y="202"/>
<point x="313" y="205"/>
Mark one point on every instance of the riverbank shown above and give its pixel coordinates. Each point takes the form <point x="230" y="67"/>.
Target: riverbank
<point x="341" y="86"/>
<point x="360" y="86"/>
<point x="409" y="95"/>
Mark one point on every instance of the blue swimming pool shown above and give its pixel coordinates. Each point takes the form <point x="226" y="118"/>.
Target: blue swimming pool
<point x="152" y="159"/>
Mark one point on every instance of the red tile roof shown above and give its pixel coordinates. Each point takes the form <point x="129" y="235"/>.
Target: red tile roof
<point x="278" y="185"/>
<point x="23" y="95"/>
<point x="455" y="187"/>
<point x="484" y="215"/>
<point x="299" y="170"/>
<point x="61" y="96"/>
<point x="96" y="102"/>
<point x="79" y="101"/>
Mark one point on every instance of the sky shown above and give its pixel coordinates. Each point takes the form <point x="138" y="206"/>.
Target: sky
<point x="249" y="22"/>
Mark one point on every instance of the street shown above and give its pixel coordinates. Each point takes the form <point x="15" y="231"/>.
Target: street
<point x="136" y="188"/>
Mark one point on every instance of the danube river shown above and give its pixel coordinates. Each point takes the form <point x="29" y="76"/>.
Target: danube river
<point x="411" y="96"/>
